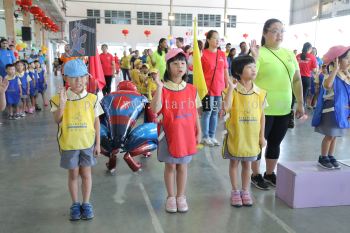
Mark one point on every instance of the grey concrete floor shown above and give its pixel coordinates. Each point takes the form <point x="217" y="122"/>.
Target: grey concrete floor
<point x="34" y="196"/>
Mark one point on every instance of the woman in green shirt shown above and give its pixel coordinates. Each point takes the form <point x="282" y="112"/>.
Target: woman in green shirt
<point x="278" y="74"/>
<point x="158" y="58"/>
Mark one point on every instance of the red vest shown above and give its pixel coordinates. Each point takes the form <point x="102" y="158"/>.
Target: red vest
<point x="179" y="120"/>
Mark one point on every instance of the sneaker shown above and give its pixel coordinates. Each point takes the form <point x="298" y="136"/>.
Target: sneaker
<point x="181" y="204"/>
<point x="270" y="179"/>
<point x="16" y="116"/>
<point x="291" y="120"/>
<point x="323" y="161"/>
<point x="170" y="205"/>
<point x="207" y="142"/>
<point x="75" y="212"/>
<point x="11" y="117"/>
<point x="22" y="114"/>
<point x="246" y="198"/>
<point x="259" y="182"/>
<point x="37" y="108"/>
<point x="334" y="162"/>
<point x="236" y="199"/>
<point x="87" y="211"/>
<point x="215" y="142"/>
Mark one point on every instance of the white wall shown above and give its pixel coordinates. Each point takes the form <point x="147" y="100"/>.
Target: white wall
<point x="251" y="15"/>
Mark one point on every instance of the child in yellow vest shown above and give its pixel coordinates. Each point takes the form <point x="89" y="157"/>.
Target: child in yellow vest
<point x="151" y="84"/>
<point x="246" y="125"/>
<point x="136" y="74"/>
<point x="143" y="79"/>
<point x="77" y="114"/>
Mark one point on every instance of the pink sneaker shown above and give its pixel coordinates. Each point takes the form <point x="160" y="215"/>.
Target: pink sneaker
<point x="170" y="205"/>
<point x="246" y="198"/>
<point x="181" y="203"/>
<point x="236" y="199"/>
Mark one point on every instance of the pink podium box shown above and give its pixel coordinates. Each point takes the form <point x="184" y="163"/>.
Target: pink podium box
<point x="305" y="184"/>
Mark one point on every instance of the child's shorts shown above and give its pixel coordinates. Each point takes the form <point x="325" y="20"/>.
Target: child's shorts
<point x="23" y="97"/>
<point x="71" y="159"/>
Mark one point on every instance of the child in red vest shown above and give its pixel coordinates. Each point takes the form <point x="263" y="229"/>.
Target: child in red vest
<point x="176" y="102"/>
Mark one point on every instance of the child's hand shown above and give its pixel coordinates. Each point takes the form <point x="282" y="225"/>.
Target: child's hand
<point x="63" y="97"/>
<point x="158" y="81"/>
<point x="262" y="142"/>
<point x="97" y="150"/>
<point x="199" y="136"/>
<point x="254" y="49"/>
<point x="232" y="84"/>
<point x="4" y="83"/>
<point x="336" y="64"/>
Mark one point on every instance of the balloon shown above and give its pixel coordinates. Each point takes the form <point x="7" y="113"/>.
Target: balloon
<point x="127" y="85"/>
<point x="18" y="47"/>
<point x="134" y="165"/>
<point x="141" y="134"/>
<point x="143" y="148"/>
<point x="24" y="45"/>
<point x="122" y="108"/>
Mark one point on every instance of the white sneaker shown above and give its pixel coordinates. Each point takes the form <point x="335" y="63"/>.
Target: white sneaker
<point x="215" y="142"/>
<point x="207" y="142"/>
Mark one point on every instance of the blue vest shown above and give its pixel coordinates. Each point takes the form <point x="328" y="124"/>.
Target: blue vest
<point x="24" y="83"/>
<point x="341" y="104"/>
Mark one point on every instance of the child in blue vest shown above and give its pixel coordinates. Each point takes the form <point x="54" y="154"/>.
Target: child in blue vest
<point x="332" y="114"/>
<point x="245" y="126"/>
<point x="33" y="74"/>
<point x="176" y="102"/>
<point x="22" y="74"/>
<point x="4" y="83"/>
<point x="77" y="114"/>
<point x="42" y="83"/>
<point x="13" y="92"/>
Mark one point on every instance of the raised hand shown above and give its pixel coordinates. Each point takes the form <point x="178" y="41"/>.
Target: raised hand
<point x="254" y="49"/>
<point x="159" y="83"/>
<point x="4" y="83"/>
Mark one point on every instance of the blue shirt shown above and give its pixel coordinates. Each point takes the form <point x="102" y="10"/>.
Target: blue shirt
<point x="6" y="57"/>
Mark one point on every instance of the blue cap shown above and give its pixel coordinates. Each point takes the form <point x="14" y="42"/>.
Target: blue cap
<point x="75" y="68"/>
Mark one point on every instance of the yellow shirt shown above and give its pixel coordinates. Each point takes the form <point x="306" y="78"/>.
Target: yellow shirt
<point x="151" y="87"/>
<point x="243" y="125"/>
<point x="135" y="78"/>
<point x="125" y="62"/>
<point x="77" y="130"/>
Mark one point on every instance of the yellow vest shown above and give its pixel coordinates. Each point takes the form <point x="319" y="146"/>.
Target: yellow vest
<point x="243" y="125"/>
<point x="77" y="130"/>
<point x="151" y="87"/>
<point x="125" y="62"/>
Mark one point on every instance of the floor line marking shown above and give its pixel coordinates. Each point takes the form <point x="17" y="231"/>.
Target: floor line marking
<point x="155" y="221"/>
<point x="266" y="211"/>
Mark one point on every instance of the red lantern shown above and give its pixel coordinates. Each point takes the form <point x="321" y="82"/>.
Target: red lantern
<point x="125" y="32"/>
<point x="45" y="20"/>
<point x="147" y="33"/>
<point x="24" y="4"/>
<point x="245" y="35"/>
<point x="35" y="10"/>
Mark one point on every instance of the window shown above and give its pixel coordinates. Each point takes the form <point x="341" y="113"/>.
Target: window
<point x="182" y="20"/>
<point x="232" y="19"/>
<point x="149" y="18"/>
<point x="205" y="20"/>
<point x="117" y="17"/>
<point x="94" y="14"/>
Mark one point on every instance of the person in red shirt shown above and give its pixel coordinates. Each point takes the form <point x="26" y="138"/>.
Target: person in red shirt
<point x="116" y="62"/>
<point x="108" y="67"/>
<point x="307" y="64"/>
<point x="215" y="69"/>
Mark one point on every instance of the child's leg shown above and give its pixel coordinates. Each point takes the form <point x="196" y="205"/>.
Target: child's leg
<point x="326" y="143"/>
<point x="10" y="110"/>
<point x="86" y="184"/>
<point x="73" y="175"/>
<point x="233" y="174"/>
<point x="245" y="175"/>
<point x="256" y="167"/>
<point x="332" y="146"/>
<point x="181" y="179"/>
<point x="169" y="175"/>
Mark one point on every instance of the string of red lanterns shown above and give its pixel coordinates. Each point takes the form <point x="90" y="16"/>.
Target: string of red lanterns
<point x="39" y="14"/>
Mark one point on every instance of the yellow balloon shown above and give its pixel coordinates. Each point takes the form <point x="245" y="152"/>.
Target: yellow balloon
<point x="24" y="45"/>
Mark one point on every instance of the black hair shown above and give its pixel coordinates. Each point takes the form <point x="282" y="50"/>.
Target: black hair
<point x="159" y="49"/>
<point x="104" y="45"/>
<point x="240" y="44"/>
<point x="3" y="40"/>
<point x="228" y="44"/>
<point x="178" y="57"/>
<point x="231" y="50"/>
<point x="181" y="39"/>
<point x="208" y="37"/>
<point x="187" y="47"/>
<point x="267" y="25"/>
<point x="200" y="45"/>
<point x="306" y="47"/>
<point x="9" y="65"/>
<point x="238" y="65"/>
<point x="343" y="55"/>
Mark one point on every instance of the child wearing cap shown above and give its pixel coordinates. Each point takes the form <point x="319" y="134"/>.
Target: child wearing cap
<point x="176" y="102"/>
<point x="332" y="114"/>
<point x="135" y="74"/>
<point x="151" y="84"/>
<point x="33" y="74"/>
<point x="77" y="114"/>
<point x="143" y="79"/>
<point x="42" y="83"/>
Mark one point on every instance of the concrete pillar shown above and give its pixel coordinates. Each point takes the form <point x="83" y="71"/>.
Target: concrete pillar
<point x="9" y="20"/>
<point x="37" y="34"/>
<point x="26" y="19"/>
